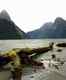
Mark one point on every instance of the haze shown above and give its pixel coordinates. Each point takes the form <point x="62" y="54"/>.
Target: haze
<point x="32" y="14"/>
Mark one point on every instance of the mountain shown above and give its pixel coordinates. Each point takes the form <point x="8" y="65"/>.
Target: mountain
<point x="57" y="29"/>
<point x="4" y="15"/>
<point x="8" y="29"/>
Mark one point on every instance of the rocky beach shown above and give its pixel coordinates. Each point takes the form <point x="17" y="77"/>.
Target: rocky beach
<point x="49" y="73"/>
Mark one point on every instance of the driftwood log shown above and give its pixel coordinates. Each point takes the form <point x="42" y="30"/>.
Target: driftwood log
<point x="24" y="55"/>
<point x="29" y="51"/>
<point x="61" y="44"/>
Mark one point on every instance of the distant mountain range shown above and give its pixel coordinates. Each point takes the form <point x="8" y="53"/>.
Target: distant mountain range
<point x="8" y="29"/>
<point x="57" y="29"/>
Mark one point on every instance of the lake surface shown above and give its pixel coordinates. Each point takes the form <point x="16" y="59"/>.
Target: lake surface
<point x="41" y="74"/>
<point x="30" y="43"/>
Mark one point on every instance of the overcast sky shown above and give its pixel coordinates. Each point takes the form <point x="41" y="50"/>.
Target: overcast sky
<point x="31" y="14"/>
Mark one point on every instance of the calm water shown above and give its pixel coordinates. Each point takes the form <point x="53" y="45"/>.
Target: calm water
<point x="31" y="43"/>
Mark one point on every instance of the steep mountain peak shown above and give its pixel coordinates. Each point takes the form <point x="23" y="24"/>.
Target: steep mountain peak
<point x="8" y="29"/>
<point x="59" y="20"/>
<point x="50" y="30"/>
<point x="4" y="15"/>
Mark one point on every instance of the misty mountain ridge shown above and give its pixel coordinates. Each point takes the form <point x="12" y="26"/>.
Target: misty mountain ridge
<point x="57" y="29"/>
<point x="8" y="29"/>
